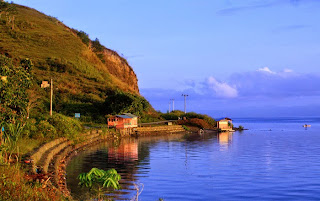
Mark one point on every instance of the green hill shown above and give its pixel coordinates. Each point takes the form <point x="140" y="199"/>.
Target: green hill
<point x="84" y="72"/>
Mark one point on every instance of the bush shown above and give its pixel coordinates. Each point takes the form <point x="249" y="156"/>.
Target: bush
<point x="170" y="116"/>
<point x="45" y="130"/>
<point x="15" y="186"/>
<point x="122" y="102"/>
<point x="30" y="128"/>
<point x="84" y="37"/>
<point x="200" y="123"/>
<point x="146" y="118"/>
<point x="97" y="46"/>
<point x="185" y="128"/>
<point x="65" y="126"/>
<point x="14" y="81"/>
<point x="209" y="121"/>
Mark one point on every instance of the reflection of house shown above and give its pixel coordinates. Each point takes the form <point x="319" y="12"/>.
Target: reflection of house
<point x="123" y="121"/>
<point x="125" y="152"/>
<point x="225" y="138"/>
<point x="225" y="124"/>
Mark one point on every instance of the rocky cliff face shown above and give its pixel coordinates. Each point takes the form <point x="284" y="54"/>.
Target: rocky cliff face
<point x="120" y="68"/>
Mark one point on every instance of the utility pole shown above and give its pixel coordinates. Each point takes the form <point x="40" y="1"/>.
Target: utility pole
<point x="51" y="95"/>
<point x="172" y="104"/>
<point x="185" y="104"/>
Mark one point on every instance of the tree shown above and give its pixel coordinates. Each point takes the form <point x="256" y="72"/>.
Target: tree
<point x="14" y="83"/>
<point x="97" y="45"/>
<point x="122" y="102"/>
<point x="33" y="101"/>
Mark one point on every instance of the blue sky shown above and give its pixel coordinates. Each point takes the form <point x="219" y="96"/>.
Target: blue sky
<point x="234" y="58"/>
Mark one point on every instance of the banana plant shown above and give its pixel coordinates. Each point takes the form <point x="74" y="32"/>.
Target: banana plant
<point x="108" y="179"/>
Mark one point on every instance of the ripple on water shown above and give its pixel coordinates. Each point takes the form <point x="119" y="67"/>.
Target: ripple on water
<point x="282" y="164"/>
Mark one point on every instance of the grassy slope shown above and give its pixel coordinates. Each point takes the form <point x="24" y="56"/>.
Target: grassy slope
<point x="46" y="41"/>
<point x="81" y="79"/>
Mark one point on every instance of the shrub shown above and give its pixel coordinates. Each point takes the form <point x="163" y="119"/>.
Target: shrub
<point x="209" y="122"/>
<point x="58" y="65"/>
<point x="185" y="127"/>
<point x="14" y="186"/>
<point x="108" y="179"/>
<point x="45" y="130"/>
<point x="65" y="126"/>
<point x="30" y="128"/>
<point x="100" y="181"/>
<point x="122" y="102"/>
<point x="145" y="118"/>
<point x="84" y="37"/>
<point x="200" y="123"/>
<point x="13" y="85"/>
<point x="170" y="116"/>
<point x="97" y="46"/>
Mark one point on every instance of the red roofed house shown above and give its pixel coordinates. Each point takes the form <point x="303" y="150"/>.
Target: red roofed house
<point x="123" y="121"/>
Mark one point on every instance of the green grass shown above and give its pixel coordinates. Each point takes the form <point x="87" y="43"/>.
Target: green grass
<point x="14" y="186"/>
<point x="185" y="127"/>
<point x="26" y="145"/>
<point x="42" y="38"/>
<point x="58" y="52"/>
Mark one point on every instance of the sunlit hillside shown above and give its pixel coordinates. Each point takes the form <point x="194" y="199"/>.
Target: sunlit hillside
<point x="84" y="72"/>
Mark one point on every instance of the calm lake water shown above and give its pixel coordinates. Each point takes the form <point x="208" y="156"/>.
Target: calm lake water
<point x="276" y="159"/>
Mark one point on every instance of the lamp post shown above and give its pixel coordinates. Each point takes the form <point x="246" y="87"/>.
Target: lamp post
<point x="185" y="104"/>
<point x="51" y="97"/>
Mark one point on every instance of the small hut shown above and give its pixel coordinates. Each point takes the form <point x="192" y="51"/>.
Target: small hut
<point x="125" y="123"/>
<point x="225" y="124"/>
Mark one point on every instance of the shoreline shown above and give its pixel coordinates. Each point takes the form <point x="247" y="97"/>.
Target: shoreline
<point x="59" y="161"/>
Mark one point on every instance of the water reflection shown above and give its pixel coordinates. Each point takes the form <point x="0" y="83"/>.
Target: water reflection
<point x="225" y="139"/>
<point x="125" y="152"/>
<point x="254" y="165"/>
<point x="129" y="156"/>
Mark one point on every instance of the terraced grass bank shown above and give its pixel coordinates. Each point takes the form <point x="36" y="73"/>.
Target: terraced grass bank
<point x="48" y="162"/>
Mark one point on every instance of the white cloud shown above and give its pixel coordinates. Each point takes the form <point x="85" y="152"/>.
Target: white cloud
<point x="266" y="69"/>
<point x="222" y="89"/>
<point x="284" y="83"/>
<point x="286" y="70"/>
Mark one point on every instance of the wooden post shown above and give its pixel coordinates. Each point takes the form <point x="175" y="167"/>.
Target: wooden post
<point x="51" y="95"/>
